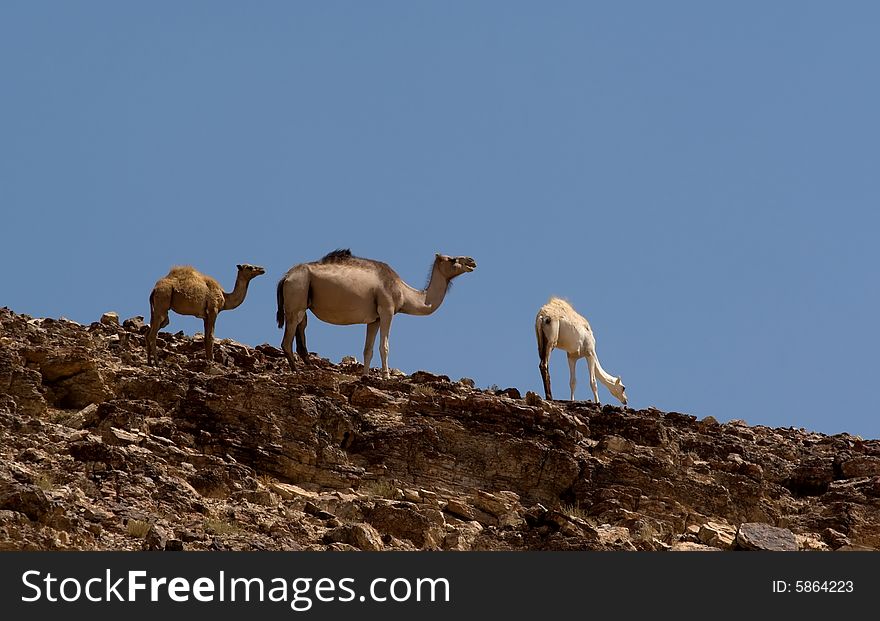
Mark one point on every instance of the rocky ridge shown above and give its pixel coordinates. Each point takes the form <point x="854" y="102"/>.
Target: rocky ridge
<point x="99" y="451"/>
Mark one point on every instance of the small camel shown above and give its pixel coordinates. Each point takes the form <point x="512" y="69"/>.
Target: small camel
<point x="187" y="291"/>
<point x="559" y="325"/>
<point x="343" y="289"/>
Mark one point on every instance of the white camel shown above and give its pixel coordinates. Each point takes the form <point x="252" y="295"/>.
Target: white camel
<point x="343" y="289"/>
<point x="559" y="325"/>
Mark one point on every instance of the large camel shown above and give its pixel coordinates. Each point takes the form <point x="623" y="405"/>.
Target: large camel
<point x="342" y="289"/>
<point x="187" y="291"/>
<point x="559" y="325"/>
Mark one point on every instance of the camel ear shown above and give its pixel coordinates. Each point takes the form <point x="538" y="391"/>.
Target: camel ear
<point x="239" y="266"/>
<point x="436" y="255"/>
<point x="617" y="381"/>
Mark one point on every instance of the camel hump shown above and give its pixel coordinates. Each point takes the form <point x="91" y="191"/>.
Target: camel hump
<point x="340" y="254"/>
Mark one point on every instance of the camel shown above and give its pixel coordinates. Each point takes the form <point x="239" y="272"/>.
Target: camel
<point x="187" y="291"/>
<point x="559" y="325"/>
<point x="342" y="289"/>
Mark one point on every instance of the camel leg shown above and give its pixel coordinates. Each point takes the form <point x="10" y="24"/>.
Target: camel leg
<point x="160" y="303"/>
<point x="591" y="365"/>
<point x="292" y="322"/>
<point x="293" y="302"/>
<point x="384" y="329"/>
<point x="209" y="337"/>
<point x="572" y="376"/>
<point x="152" y="358"/>
<point x="287" y="343"/>
<point x="547" y="340"/>
<point x="301" y="348"/>
<point x="545" y="376"/>
<point x="372" y="330"/>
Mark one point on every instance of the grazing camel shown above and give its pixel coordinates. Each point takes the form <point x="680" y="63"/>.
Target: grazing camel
<point x="187" y="291"/>
<point x="559" y="325"/>
<point x="343" y="289"/>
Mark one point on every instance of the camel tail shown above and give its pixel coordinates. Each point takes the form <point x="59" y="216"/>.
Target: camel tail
<point x="544" y="349"/>
<point x="280" y="294"/>
<point x="540" y="322"/>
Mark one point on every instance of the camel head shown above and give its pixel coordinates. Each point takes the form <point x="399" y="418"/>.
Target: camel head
<point x="618" y="390"/>
<point x="451" y="267"/>
<point x="249" y="271"/>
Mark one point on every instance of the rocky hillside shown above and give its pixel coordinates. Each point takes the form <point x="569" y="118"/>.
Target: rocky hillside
<point x="98" y="451"/>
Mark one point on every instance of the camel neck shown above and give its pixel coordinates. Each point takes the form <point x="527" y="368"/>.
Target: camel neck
<point x="426" y="302"/>
<point x="236" y="296"/>
<point x="602" y="374"/>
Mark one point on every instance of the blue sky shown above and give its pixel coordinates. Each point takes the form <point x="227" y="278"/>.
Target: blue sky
<point x="699" y="179"/>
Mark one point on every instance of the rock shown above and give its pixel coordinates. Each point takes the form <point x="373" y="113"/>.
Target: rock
<point x="758" y="536"/>
<point x="435" y="516"/>
<point x="423" y="377"/>
<point x="316" y="511"/>
<point x="569" y="526"/>
<point x="110" y="319"/>
<point x="834" y="539"/>
<point x="615" y="444"/>
<point x="72" y="378"/>
<point x="290" y="492"/>
<point x="120" y="437"/>
<point x="23" y="386"/>
<point x="411" y="495"/>
<point x="27" y="499"/>
<point x="188" y="536"/>
<point x="361" y="535"/>
<point x="428" y="497"/>
<point x="495" y="505"/>
<point x="533" y="399"/>
<point x="513" y="393"/>
<point x="403" y="520"/>
<point x="614" y="537"/>
<point x="536" y="514"/>
<point x="270" y="351"/>
<point x="811" y="542"/>
<point x="855" y="548"/>
<point x="258" y="496"/>
<point x="811" y="477"/>
<point x="80" y="419"/>
<point x="7" y="403"/>
<point x="135" y="324"/>
<point x="92" y="449"/>
<point x="367" y="396"/>
<point x="462" y="537"/>
<point x="247" y="455"/>
<point x="156" y="538"/>
<point x="689" y="546"/>
<point x="867" y="466"/>
<point x="460" y="509"/>
<point x="717" y="535"/>
<point x="94" y="513"/>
